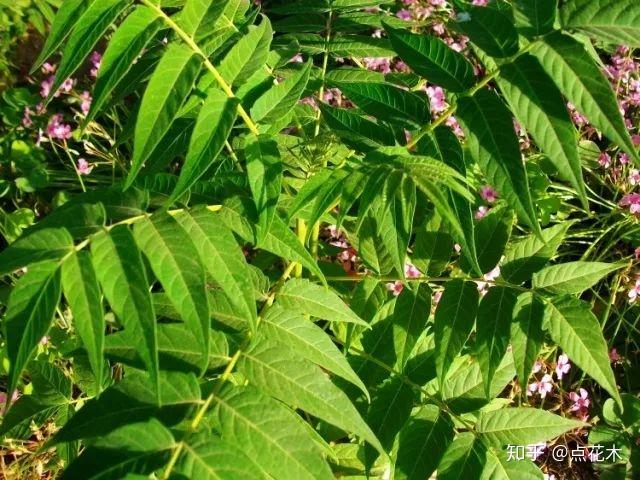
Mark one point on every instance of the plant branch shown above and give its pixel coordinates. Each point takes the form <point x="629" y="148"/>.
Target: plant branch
<point x="253" y="128"/>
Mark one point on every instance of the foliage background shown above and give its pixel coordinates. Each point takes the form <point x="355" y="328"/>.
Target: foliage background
<point x="319" y="239"/>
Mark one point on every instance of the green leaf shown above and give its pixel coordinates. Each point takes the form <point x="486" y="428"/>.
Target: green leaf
<point x="135" y="448"/>
<point x="209" y="458"/>
<point x="301" y="384"/>
<point x="388" y="103"/>
<point x="178" y="349"/>
<point x="582" y="82"/>
<point x="433" y="247"/>
<point x="50" y="384"/>
<point x="575" y="328"/>
<point x="17" y="421"/>
<point x="492" y="330"/>
<point x="433" y="59"/>
<point x="119" y="268"/>
<point x="393" y="209"/>
<point x="167" y="90"/>
<point x="87" y="30"/>
<point x="302" y="296"/>
<point x="499" y="467"/>
<point x="527" y="337"/>
<point x="198" y="16"/>
<point x="522" y="426"/>
<point x="355" y="129"/>
<point x="309" y="341"/>
<point x="573" y="277"/>
<point x="463" y="459"/>
<point x="269" y="433"/>
<point x="535" y="17"/>
<point x="539" y="106"/>
<point x="358" y="46"/>
<point x="264" y="170"/>
<point x="453" y="322"/>
<point x="491" y="235"/>
<point x="410" y="316"/>
<point x="280" y="240"/>
<point x="390" y="409"/>
<point x="422" y="443"/>
<point x="66" y="17"/>
<point x="78" y="218"/>
<point x="222" y="258"/>
<point x="443" y="144"/>
<point x="30" y="310"/>
<point x="463" y="389"/>
<point x="248" y="55"/>
<point x="133" y="400"/>
<point x="280" y="99"/>
<point x="613" y="21"/>
<point x="127" y="43"/>
<point x="82" y="291"/>
<point x="175" y="262"/>
<point x="45" y="244"/>
<point x="489" y="29"/>
<point x="493" y="144"/>
<point x="213" y="126"/>
<point x="531" y="253"/>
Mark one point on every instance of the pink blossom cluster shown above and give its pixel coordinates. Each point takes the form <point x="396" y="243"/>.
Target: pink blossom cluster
<point x="490" y="196"/>
<point x="348" y="255"/>
<point x="410" y="271"/>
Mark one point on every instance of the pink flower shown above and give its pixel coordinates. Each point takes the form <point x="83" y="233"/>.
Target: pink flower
<point x="452" y="122"/>
<point x="437" y="99"/>
<point x="378" y="64"/>
<point x="57" y="129"/>
<point x="84" y="168"/>
<point x="636" y="140"/>
<point x="636" y="252"/>
<point x="436" y="297"/>
<point x="634" y="292"/>
<point x="634" y="176"/>
<point x="85" y="103"/>
<point x="410" y="271"/>
<point x="457" y="248"/>
<point x="624" y="158"/>
<point x="581" y="403"/>
<point x="47" y="68"/>
<point x="45" y="86"/>
<point x="67" y="85"/>
<point x="438" y="28"/>
<point x="481" y="212"/>
<point x="44" y="340"/>
<point x="549" y="476"/>
<point x="438" y="3"/>
<point x="395" y="287"/>
<point x="96" y="60"/>
<point x="404" y="14"/>
<point x="614" y="356"/>
<point x="542" y="386"/>
<point x="488" y="194"/>
<point x="604" y="160"/>
<point x="563" y="366"/>
<point x="311" y="101"/>
<point x="632" y="201"/>
<point x="3" y="399"/>
<point x="26" y="117"/>
<point x="41" y="109"/>
<point x="537" y="366"/>
<point x="296" y="58"/>
<point x="480" y="3"/>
